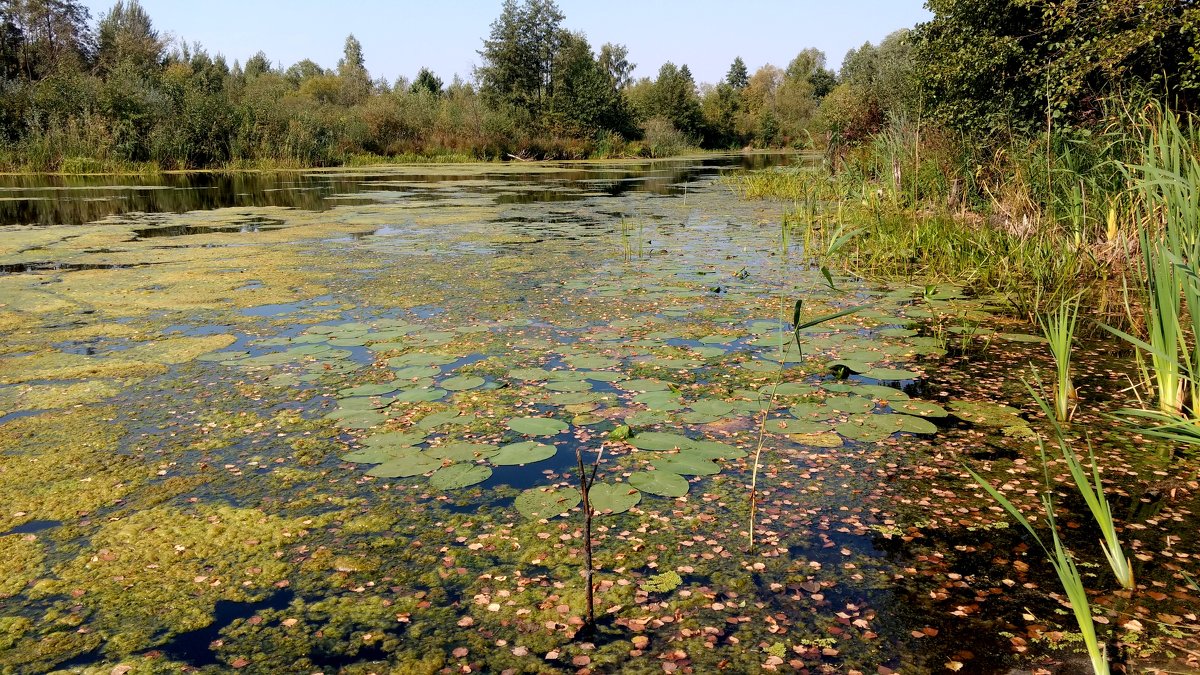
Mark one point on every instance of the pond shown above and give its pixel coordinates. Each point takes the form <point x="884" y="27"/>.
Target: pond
<point x="331" y="421"/>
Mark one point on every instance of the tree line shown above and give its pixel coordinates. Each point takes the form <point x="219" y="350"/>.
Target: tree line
<point x="79" y="95"/>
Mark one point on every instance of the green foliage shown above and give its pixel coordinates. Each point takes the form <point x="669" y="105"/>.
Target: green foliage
<point x="993" y="66"/>
<point x="127" y="36"/>
<point x="738" y="77"/>
<point x="427" y="82"/>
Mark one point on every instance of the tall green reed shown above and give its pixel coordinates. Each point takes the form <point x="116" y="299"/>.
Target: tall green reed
<point x="1062" y="561"/>
<point x="1166" y="199"/>
<point x="1059" y="328"/>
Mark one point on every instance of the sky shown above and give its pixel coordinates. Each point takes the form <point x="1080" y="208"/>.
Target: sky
<point x="401" y="36"/>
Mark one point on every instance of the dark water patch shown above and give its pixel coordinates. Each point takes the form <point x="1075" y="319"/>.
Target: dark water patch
<point x="19" y="414"/>
<point x="32" y="527"/>
<point x="195" y="647"/>
<point x="72" y="200"/>
<point x="243" y="227"/>
<point x="51" y="266"/>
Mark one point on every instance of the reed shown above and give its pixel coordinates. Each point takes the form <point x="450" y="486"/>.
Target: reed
<point x="1062" y="561"/>
<point x="1059" y="328"/>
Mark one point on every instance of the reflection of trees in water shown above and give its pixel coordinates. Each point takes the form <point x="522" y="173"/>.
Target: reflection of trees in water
<point x="54" y="199"/>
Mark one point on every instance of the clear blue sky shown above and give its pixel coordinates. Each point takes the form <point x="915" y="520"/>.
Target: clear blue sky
<point x="400" y="36"/>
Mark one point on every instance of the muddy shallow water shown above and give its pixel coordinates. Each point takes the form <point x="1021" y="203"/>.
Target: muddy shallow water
<point x="337" y="431"/>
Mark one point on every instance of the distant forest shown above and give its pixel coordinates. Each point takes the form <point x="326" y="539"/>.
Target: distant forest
<point x="80" y="95"/>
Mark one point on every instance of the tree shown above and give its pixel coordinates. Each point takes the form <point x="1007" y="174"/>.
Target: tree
<point x="585" y="99"/>
<point x="55" y="37"/>
<point x="614" y="61"/>
<point x="518" y="55"/>
<point x="12" y="43"/>
<point x="352" y="69"/>
<point x="256" y="65"/>
<point x="738" y="77"/>
<point x="995" y="65"/>
<point x="303" y="71"/>
<point x="426" y="81"/>
<point x="672" y="96"/>
<point x="809" y="64"/>
<point x="126" y="36"/>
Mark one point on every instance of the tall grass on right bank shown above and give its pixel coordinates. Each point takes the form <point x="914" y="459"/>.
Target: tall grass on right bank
<point x="1165" y="199"/>
<point x="1035" y="220"/>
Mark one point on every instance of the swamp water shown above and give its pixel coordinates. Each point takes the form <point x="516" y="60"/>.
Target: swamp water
<point x="336" y="432"/>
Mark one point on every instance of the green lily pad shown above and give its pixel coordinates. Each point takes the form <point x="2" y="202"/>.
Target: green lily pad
<point x="395" y="438"/>
<point x="823" y="440"/>
<point x="458" y="476"/>
<point x="713" y="450"/>
<point x="915" y="425"/>
<point x="791" y="389"/>
<point x="613" y="498"/>
<point x="919" y="408"/>
<point x="661" y="483"/>
<point x="568" y="385"/>
<point x="986" y="413"/>
<point x="547" y="502"/>
<point x="526" y="452"/>
<point x="421" y="395"/>
<point x="420" y="359"/>
<point x="646" y="418"/>
<point x="686" y="465"/>
<point x="798" y="426"/>
<point x="417" y="372"/>
<point x="368" y="390"/>
<point x="592" y="362"/>
<point x="659" y="400"/>
<point x="644" y="385"/>
<point x="538" y="426"/>
<point x="529" y="374"/>
<point x="437" y="419"/>
<point x="406" y="466"/>
<point x="379" y="455"/>
<point x="849" y="404"/>
<point x="463" y="452"/>
<point x="658" y="440"/>
<point x="462" y="383"/>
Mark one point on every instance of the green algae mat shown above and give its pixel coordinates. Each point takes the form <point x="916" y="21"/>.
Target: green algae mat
<point x="341" y="434"/>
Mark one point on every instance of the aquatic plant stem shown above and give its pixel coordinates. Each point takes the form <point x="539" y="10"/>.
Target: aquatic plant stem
<point x="770" y="404"/>
<point x="585" y="486"/>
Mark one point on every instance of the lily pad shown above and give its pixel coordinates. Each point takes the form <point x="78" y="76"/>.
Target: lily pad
<point x="526" y="452"/>
<point x="686" y="465"/>
<point x="986" y="413"/>
<point x="462" y="383"/>
<point x="379" y="455"/>
<point x="406" y="466"/>
<point x="538" y="426"/>
<point x="421" y="395"/>
<point x="657" y="440"/>
<point x="458" y="476"/>
<point x="613" y="497"/>
<point x="368" y="390"/>
<point x="547" y="502"/>
<point x="919" y="408"/>
<point x="890" y="374"/>
<point x="661" y="483"/>
<point x="463" y="452"/>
